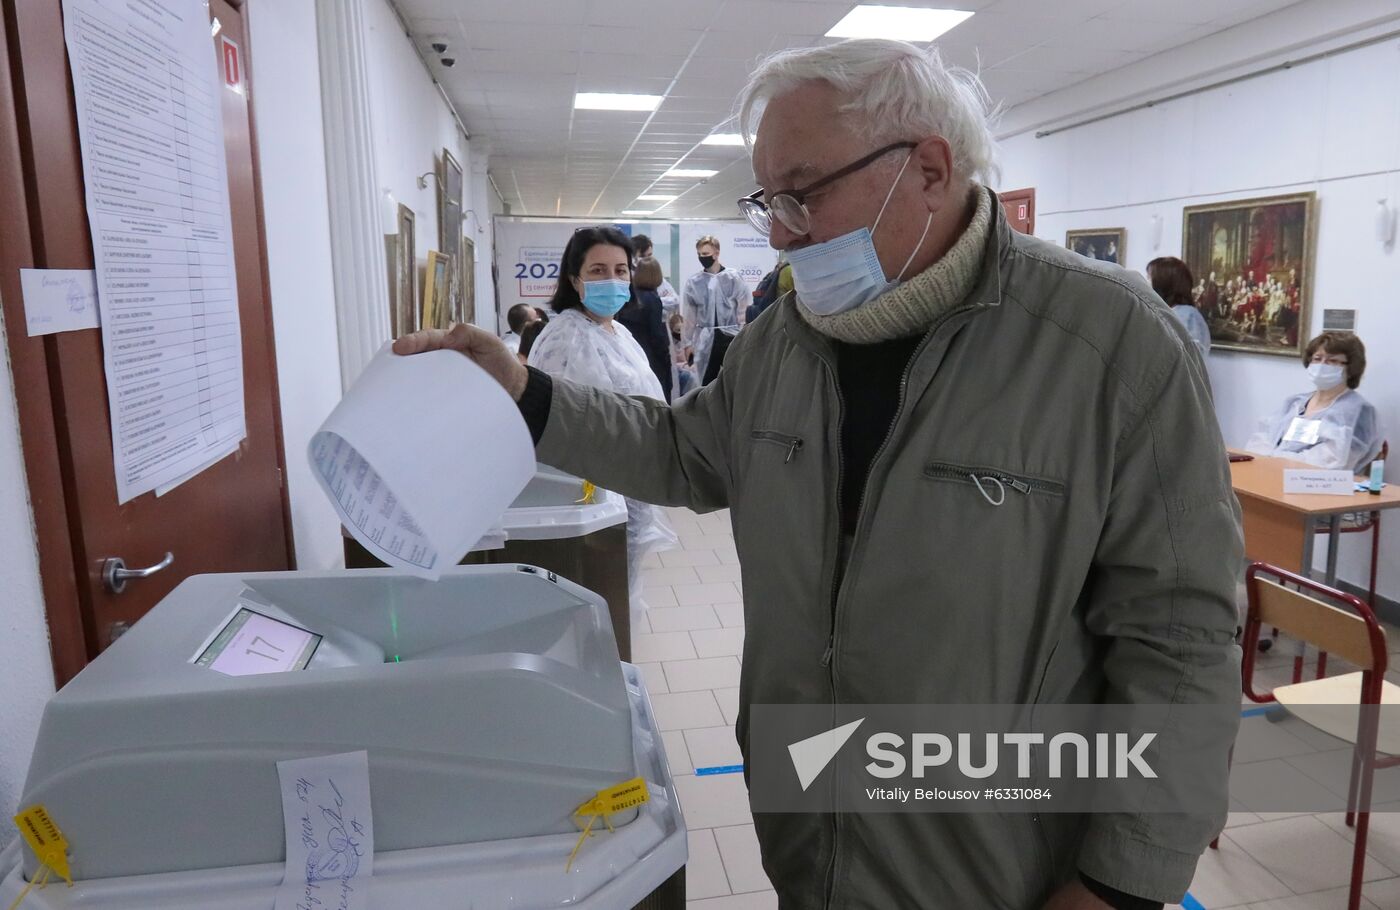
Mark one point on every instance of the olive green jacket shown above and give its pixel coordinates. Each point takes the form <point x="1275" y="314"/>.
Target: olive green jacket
<point x="1107" y="574"/>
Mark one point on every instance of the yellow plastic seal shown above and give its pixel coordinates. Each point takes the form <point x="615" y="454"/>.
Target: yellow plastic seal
<point x="589" y="494"/>
<point x="44" y="838"/>
<point x="620" y="798"/>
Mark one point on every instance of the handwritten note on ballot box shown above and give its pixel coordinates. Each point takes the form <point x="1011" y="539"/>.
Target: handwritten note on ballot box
<point x="330" y="833"/>
<point x="1326" y="483"/>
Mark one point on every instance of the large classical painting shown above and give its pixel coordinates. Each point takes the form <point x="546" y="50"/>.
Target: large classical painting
<point x="1252" y="260"/>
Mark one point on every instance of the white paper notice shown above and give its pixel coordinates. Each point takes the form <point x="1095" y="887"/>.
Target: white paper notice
<point x="151" y="128"/>
<point x="421" y="457"/>
<point x="330" y="832"/>
<point x="59" y="300"/>
<point x="1331" y="483"/>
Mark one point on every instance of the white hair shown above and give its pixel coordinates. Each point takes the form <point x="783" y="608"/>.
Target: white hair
<point x="898" y="92"/>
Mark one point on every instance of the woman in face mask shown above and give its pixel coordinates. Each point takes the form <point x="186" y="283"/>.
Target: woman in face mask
<point x="584" y="344"/>
<point x="1331" y="426"/>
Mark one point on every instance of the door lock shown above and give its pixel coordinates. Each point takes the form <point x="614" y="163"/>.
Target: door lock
<point x="115" y="574"/>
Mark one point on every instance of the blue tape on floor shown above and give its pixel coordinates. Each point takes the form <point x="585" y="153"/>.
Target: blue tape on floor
<point x="720" y="769"/>
<point x="1255" y="712"/>
<point x="1190" y="903"/>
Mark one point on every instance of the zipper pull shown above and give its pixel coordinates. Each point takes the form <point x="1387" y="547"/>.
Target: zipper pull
<point x="792" y="450"/>
<point x="826" y="655"/>
<point x="1015" y="484"/>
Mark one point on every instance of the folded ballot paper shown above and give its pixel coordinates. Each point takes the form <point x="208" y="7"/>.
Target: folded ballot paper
<point x="421" y="457"/>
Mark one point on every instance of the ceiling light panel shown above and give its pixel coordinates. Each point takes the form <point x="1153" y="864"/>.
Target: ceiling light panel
<point x="905" y="23"/>
<point x="614" y="101"/>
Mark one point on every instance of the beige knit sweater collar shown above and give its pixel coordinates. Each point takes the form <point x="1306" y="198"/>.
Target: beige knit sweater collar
<point x="911" y="307"/>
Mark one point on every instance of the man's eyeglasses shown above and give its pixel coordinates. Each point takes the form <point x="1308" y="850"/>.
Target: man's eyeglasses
<point x="790" y="206"/>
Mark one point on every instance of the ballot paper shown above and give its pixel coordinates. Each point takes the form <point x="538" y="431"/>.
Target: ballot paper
<point x="421" y="457"/>
<point x="330" y="832"/>
<point x="59" y="300"/>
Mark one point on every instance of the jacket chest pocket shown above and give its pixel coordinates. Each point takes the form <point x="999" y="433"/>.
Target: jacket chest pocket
<point x="790" y="444"/>
<point x="997" y="486"/>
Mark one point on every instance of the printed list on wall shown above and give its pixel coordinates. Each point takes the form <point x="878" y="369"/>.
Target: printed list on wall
<point x="147" y="91"/>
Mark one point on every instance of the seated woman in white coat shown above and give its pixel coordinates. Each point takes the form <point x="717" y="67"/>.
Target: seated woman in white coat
<point x="1332" y="426"/>
<point x="585" y="345"/>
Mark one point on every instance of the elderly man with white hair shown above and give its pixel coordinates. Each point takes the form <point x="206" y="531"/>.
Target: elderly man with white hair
<point x="964" y="466"/>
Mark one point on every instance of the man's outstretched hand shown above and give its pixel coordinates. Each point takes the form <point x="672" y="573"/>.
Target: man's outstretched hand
<point x="481" y="347"/>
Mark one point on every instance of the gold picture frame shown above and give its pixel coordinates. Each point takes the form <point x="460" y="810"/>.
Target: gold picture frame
<point x="437" y="283"/>
<point x="1102" y="244"/>
<point x="465" y="273"/>
<point x="404" y="304"/>
<point x="450" y="213"/>
<point x="1253" y="260"/>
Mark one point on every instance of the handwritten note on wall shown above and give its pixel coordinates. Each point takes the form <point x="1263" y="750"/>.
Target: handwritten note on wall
<point x="59" y="300"/>
<point x="330" y="833"/>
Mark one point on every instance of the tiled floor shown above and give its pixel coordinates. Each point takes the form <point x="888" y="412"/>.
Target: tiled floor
<point x="689" y="646"/>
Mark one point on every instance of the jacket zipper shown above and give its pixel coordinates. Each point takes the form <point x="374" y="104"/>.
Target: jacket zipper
<point x="830" y="882"/>
<point x="828" y="659"/>
<point x="969" y="474"/>
<point x="793" y="443"/>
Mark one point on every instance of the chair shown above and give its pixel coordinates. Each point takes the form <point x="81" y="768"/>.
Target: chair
<point x="1314" y="613"/>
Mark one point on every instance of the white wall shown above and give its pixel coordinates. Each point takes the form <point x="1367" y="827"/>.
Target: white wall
<point x="24" y="633"/>
<point x="291" y="148"/>
<point x="1331" y="126"/>
<point x="412" y="125"/>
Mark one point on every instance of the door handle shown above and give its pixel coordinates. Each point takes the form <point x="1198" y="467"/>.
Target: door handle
<point x="115" y="574"/>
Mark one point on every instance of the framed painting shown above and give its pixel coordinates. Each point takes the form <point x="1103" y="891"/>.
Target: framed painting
<point x="465" y="273"/>
<point x="437" y="283"/>
<point x="1103" y="244"/>
<point x="449" y="207"/>
<point x="1252" y="261"/>
<point x="404" y="313"/>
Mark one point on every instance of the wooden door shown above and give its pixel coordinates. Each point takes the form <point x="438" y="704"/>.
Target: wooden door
<point x="1020" y="209"/>
<point x="231" y="517"/>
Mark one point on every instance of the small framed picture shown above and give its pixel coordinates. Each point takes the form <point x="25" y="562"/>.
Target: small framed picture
<point x="449" y="209"/>
<point x="1103" y="244"/>
<point x="407" y="311"/>
<point x="465" y="273"/>
<point x="437" y="284"/>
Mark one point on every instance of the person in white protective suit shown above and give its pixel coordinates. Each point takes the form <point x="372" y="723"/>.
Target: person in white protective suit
<point x="714" y="298"/>
<point x="584" y="344"/>
<point x="1333" y="426"/>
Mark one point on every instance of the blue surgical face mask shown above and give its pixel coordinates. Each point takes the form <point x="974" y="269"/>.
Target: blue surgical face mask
<point x="604" y="298"/>
<point x="1326" y="375"/>
<point x="843" y="273"/>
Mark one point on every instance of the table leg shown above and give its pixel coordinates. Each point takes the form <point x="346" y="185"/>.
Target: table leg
<point x="1334" y="545"/>
<point x="1309" y="532"/>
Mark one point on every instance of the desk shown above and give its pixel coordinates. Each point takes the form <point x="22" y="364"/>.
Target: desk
<point x="1279" y="528"/>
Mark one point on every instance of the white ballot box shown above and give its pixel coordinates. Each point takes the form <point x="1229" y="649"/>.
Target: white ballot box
<point x="491" y="705"/>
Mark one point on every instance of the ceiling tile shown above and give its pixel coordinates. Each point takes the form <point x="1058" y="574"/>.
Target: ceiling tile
<point x="521" y="61"/>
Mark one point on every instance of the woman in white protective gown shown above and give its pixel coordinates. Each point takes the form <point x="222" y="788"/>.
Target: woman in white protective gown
<point x="585" y="345"/>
